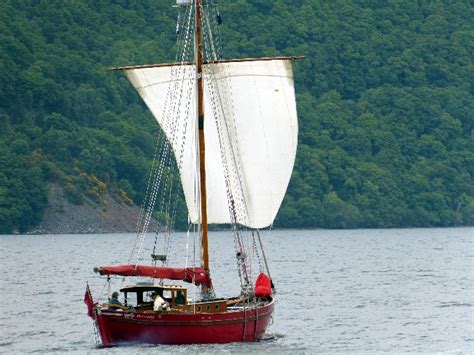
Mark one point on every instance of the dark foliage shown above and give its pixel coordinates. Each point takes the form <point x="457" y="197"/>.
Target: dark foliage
<point x="385" y="101"/>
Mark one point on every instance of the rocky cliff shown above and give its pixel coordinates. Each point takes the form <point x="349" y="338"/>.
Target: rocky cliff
<point x="110" y="216"/>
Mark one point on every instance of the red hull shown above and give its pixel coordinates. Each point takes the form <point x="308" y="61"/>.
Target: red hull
<point x="168" y="328"/>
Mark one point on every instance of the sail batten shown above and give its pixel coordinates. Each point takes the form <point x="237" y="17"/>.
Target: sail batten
<point x="251" y="133"/>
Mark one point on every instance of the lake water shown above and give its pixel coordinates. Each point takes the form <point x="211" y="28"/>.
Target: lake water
<point x="397" y="290"/>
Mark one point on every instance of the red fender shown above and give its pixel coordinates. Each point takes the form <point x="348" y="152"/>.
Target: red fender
<point x="263" y="286"/>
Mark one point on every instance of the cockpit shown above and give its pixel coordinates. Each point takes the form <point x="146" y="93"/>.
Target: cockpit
<point x="141" y="297"/>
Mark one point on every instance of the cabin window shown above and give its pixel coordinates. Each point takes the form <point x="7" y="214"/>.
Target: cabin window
<point x="199" y="309"/>
<point x="131" y="299"/>
<point x="216" y="306"/>
<point x="180" y="298"/>
<point x="167" y="295"/>
<point x="208" y="307"/>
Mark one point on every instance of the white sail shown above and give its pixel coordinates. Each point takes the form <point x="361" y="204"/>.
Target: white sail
<point x="250" y="130"/>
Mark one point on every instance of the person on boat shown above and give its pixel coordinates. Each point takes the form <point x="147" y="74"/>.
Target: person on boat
<point x="159" y="304"/>
<point x="114" y="301"/>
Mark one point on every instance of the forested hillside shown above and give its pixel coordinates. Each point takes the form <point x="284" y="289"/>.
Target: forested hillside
<point x="385" y="101"/>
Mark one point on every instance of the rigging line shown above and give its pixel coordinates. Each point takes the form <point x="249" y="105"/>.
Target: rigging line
<point x="231" y="200"/>
<point x="154" y="249"/>
<point x="234" y="148"/>
<point x="180" y="158"/>
<point x="152" y="199"/>
<point x="211" y="88"/>
<point x="236" y="166"/>
<point x="209" y="33"/>
<point x="178" y="22"/>
<point x="164" y="158"/>
<point x="194" y="244"/>
<point x="149" y="200"/>
<point x="175" y="95"/>
<point x="103" y="288"/>
<point x="150" y="206"/>
<point x="142" y="208"/>
<point x="264" y="257"/>
<point x="173" y="213"/>
<point x="96" y="333"/>
<point x="144" y="217"/>
<point x="250" y="254"/>
<point x="179" y="35"/>
<point x="163" y="207"/>
<point x="256" y="251"/>
<point x="195" y="236"/>
<point x="169" y="231"/>
<point x="226" y="91"/>
<point x="177" y="72"/>
<point x="183" y="39"/>
<point x="151" y="181"/>
<point x="162" y="204"/>
<point x="217" y="35"/>
<point x="187" y="246"/>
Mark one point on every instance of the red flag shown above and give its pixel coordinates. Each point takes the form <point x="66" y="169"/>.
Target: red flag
<point x="89" y="302"/>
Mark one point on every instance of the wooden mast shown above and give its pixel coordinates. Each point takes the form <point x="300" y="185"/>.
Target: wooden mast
<point x="202" y="147"/>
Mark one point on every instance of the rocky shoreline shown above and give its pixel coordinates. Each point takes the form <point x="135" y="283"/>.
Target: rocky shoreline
<point x="111" y="216"/>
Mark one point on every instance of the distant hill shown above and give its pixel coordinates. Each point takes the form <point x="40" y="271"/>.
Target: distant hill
<point x="385" y="102"/>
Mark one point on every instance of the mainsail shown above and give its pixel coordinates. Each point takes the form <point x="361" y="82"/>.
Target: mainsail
<point x="251" y="132"/>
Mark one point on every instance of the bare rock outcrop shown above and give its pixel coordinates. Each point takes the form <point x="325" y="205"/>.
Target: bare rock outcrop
<point x="110" y="216"/>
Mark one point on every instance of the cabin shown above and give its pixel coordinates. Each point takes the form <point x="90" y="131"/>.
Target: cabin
<point x="138" y="298"/>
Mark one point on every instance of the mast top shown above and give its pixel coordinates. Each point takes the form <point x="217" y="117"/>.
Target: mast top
<point x="184" y="2"/>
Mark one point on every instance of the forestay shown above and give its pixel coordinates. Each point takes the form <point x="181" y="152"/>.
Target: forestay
<point x="250" y="130"/>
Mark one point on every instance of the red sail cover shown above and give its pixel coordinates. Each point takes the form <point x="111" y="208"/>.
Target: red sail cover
<point x="196" y="275"/>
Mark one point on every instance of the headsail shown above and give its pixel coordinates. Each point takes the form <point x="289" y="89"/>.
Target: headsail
<point x="251" y="133"/>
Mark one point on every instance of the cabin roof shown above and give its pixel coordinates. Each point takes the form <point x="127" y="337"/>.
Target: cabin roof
<point x="145" y="288"/>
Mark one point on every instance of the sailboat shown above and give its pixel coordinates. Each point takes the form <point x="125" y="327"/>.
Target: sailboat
<point x="231" y="125"/>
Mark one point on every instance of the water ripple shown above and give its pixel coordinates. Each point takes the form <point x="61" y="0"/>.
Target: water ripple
<point x="455" y="304"/>
<point x="398" y="290"/>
